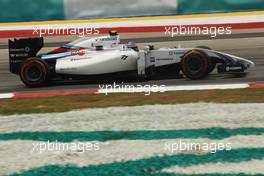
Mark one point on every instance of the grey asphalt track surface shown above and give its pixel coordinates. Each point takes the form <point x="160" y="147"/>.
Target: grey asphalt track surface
<point x="250" y="46"/>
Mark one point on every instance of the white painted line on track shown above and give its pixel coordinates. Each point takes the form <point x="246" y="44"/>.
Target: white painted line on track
<point x="135" y="90"/>
<point x="208" y="87"/>
<point x="7" y="95"/>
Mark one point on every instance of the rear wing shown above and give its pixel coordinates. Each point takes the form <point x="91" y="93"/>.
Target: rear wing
<point x="22" y="49"/>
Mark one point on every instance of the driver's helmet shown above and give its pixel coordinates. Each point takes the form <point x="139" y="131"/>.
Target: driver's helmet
<point x="132" y="45"/>
<point x="113" y="33"/>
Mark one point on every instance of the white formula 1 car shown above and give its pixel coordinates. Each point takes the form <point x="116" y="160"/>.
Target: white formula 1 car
<point x="105" y="57"/>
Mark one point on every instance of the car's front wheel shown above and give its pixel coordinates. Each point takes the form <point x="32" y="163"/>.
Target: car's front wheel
<point x="195" y="64"/>
<point x="212" y="63"/>
<point x="34" y="72"/>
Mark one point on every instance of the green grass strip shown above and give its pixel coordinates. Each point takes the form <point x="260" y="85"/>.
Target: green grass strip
<point x="150" y="166"/>
<point x="211" y="133"/>
<point x="77" y="102"/>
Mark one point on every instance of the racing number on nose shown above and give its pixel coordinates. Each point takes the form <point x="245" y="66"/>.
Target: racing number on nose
<point x="124" y="57"/>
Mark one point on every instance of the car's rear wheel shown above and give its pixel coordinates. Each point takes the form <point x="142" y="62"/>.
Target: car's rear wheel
<point x="34" y="72"/>
<point x="195" y="64"/>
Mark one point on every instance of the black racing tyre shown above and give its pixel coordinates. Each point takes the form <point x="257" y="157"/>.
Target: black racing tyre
<point x="34" y="72"/>
<point x="212" y="63"/>
<point x="204" y="47"/>
<point x="195" y="64"/>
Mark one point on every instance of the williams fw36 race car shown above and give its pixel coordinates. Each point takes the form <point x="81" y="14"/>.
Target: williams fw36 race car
<point x="104" y="57"/>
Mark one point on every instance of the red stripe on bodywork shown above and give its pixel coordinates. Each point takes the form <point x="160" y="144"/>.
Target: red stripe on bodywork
<point x="62" y="50"/>
<point x="135" y="29"/>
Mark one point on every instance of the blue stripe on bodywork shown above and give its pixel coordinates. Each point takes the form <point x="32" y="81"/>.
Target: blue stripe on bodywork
<point x="56" y="56"/>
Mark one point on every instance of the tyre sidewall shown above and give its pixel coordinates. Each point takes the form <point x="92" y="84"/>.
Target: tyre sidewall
<point x="205" y="64"/>
<point x="44" y="69"/>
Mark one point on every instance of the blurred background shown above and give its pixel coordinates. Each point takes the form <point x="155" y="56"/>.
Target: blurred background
<point x="43" y="10"/>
